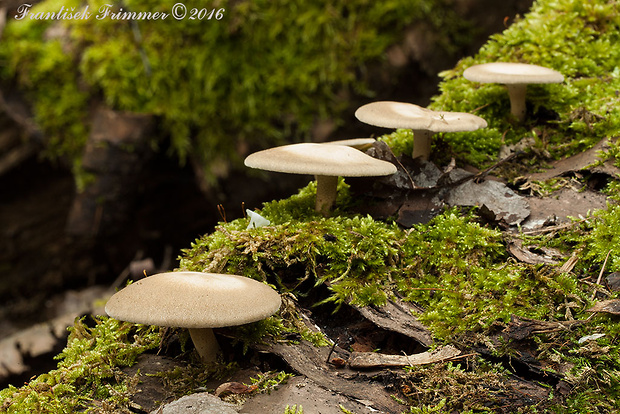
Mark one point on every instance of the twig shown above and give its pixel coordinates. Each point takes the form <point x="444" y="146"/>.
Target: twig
<point x="331" y="351"/>
<point x="570" y="263"/>
<point x="553" y="228"/>
<point x="600" y="275"/>
<point x="222" y="211"/>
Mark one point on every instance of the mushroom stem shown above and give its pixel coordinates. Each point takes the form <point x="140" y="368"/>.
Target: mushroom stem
<point x="516" y="92"/>
<point x="205" y="343"/>
<point x="326" y="192"/>
<point x="421" y="144"/>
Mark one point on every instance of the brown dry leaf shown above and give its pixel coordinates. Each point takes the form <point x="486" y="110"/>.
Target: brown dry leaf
<point x="611" y="306"/>
<point x="533" y="254"/>
<point x="228" y="388"/>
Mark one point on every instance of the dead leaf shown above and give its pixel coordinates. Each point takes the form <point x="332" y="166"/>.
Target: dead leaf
<point x="398" y="316"/>
<point x="520" y="328"/>
<point x="504" y="204"/>
<point x="228" y="388"/>
<point x="611" y="306"/>
<point x="532" y="254"/>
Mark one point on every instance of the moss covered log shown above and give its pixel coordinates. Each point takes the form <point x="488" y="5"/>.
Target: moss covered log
<point x="455" y="267"/>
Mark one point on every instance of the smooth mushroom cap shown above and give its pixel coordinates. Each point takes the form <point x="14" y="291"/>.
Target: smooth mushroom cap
<point x="194" y="300"/>
<point x="325" y="162"/>
<point x="319" y="159"/>
<point x="389" y="114"/>
<point x="509" y="73"/>
<point x="357" y="143"/>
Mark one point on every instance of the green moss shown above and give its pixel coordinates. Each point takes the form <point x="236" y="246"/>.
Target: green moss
<point x="88" y="370"/>
<point x="456" y="269"/>
<point x="571" y="36"/>
<point x="453" y="267"/>
<point x="262" y="73"/>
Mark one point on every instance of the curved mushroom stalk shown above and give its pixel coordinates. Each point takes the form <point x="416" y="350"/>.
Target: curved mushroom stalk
<point x="205" y="343"/>
<point x="326" y="193"/>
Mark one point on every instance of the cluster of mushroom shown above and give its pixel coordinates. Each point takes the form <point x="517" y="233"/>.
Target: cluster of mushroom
<point x="327" y="163"/>
<point x="424" y="122"/>
<point x="202" y="301"/>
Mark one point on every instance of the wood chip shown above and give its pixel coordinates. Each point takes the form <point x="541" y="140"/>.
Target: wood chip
<point x="366" y="360"/>
<point x="611" y="306"/>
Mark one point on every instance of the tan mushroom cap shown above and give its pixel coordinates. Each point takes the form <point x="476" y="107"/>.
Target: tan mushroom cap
<point x="319" y="159"/>
<point x="194" y="300"/>
<point x="356" y="143"/>
<point x="389" y="114"/>
<point x="509" y="73"/>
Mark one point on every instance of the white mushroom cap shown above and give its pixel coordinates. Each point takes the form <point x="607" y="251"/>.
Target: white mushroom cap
<point x="319" y="159"/>
<point x="326" y="162"/>
<point x="509" y="73"/>
<point x="422" y="121"/>
<point x="357" y="143"/>
<point x="194" y="300"/>
<point x="389" y="114"/>
<point x="516" y="77"/>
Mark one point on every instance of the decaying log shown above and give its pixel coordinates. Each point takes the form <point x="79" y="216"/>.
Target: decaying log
<point x="114" y="156"/>
<point x="398" y="316"/>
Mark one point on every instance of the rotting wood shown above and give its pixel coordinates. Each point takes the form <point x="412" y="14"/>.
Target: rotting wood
<point x="397" y="316"/>
<point x="366" y="360"/>
<point x="115" y="155"/>
<point x="311" y="361"/>
<point x="521" y="328"/>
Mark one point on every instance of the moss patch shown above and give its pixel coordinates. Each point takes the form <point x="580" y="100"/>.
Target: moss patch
<point x="572" y="37"/>
<point x="88" y="373"/>
<point x="256" y="71"/>
<point x="456" y="268"/>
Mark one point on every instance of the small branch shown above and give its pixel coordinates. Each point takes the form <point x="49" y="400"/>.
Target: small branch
<point x="600" y="275"/>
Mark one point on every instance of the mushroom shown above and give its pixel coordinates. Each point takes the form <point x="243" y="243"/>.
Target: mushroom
<point x="357" y="143"/>
<point x="424" y="122"/>
<point x="516" y="77"/>
<point x="325" y="162"/>
<point x="194" y="300"/>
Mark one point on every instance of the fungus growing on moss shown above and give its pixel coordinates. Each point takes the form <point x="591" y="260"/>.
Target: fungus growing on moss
<point x="516" y="77"/>
<point x="424" y="122"/>
<point x="197" y="301"/>
<point x="325" y="162"/>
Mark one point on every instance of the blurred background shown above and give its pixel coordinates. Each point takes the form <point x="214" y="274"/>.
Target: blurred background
<point x="120" y="137"/>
